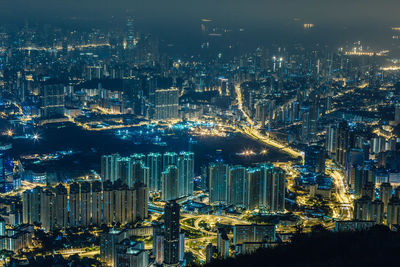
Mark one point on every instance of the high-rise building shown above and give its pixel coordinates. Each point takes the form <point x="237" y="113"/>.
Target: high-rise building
<point x="343" y="142"/>
<point x="314" y="159"/>
<point x="237" y="186"/>
<point x="362" y="209"/>
<point x="139" y="173"/>
<point x="131" y="253"/>
<point x="61" y="207"/>
<point x="6" y="168"/>
<point x="170" y="178"/>
<point x="158" y="243"/>
<point x="377" y="214"/>
<point x="253" y="233"/>
<point x="134" y="205"/>
<point x="47" y="210"/>
<point x="108" y="246"/>
<point x="223" y="243"/>
<point x="186" y="173"/>
<point x="96" y="203"/>
<point x="142" y="197"/>
<point x="171" y="233"/>
<point x="109" y="167"/>
<point x="124" y="170"/>
<point x="267" y="171"/>
<point x="386" y="194"/>
<point x="275" y="197"/>
<point x="120" y="202"/>
<point x="305" y="126"/>
<point x="169" y="158"/>
<point x="331" y="139"/>
<point x="354" y="162"/>
<point x="253" y="182"/>
<point x="209" y="252"/>
<point x="181" y="247"/>
<point x="393" y="212"/>
<point x="397" y="114"/>
<point x="218" y="175"/>
<point x="52" y="103"/>
<point x="74" y="205"/>
<point x="108" y="203"/>
<point x="166" y="104"/>
<point x="154" y="162"/>
<point x="85" y="204"/>
<point x="31" y="205"/>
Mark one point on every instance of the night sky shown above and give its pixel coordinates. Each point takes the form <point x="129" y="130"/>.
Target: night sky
<point x="239" y="11"/>
<point x="263" y="21"/>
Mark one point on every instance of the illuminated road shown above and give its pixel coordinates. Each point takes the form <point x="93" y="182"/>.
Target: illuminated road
<point x="255" y="134"/>
<point x="80" y="251"/>
<point x="198" y="245"/>
<point x="344" y="208"/>
<point x="59" y="47"/>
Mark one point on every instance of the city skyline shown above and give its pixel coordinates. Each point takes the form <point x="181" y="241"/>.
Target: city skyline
<point x="199" y="133"/>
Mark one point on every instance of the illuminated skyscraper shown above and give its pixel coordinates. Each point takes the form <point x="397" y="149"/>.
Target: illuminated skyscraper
<point x="85" y="204"/>
<point x="47" y="210"/>
<point x="169" y="158"/>
<point x="237" y="186"/>
<point x="52" y="103"/>
<point x="267" y="171"/>
<point x="108" y="203"/>
<point x="218" y="174"/>
<point x="61" y="207"/>
<point x="74" y="205"/>
<point x="362" y="209"/>
<point x="223" y="243"/>
<point x="96" y="203"/>
<point x="119" y="202"/>
<point x="186" y="173"/>
<point x="170" y="183"/>
<point x="142" y="197"/>
<point x="276" y="191"/>
<point x="6" y="168"/>
<point x="171" y="233"/>
<point x="314" y="159"/>
<point x="343" y="142"/>
<point x="377" y="211"/>
<point x="131" y="253"/>
<point x="158" y="243"/>
<point x="109" y="167"/>
<point x="124" y="170"/>
<point x="139" y="173"/>
<point x="386" y="194"/>
<point x="31" y="205"/>
<point x="393" y="212"/>
<point x="166" y="104"/>
<point x="132" y="206"/>
<point x="154" y="162"/>
<point x="253" y="233"/>
<point x="253" y="196"/>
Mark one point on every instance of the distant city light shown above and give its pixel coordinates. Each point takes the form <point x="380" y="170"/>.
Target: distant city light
<point x="36" y="137"/>
<point x="308" y="25"/>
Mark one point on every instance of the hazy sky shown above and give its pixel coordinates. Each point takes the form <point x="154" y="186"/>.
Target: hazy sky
<point x="178" y="21"/>
<point x="241" y="11"/>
